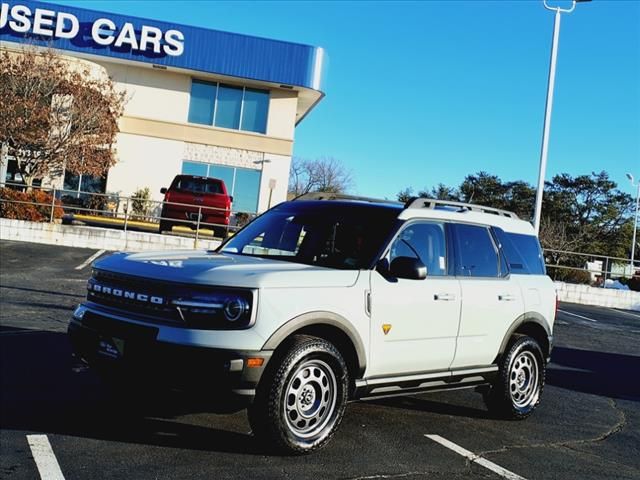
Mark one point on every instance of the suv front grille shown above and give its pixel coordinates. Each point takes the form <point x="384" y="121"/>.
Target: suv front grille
<point x="154" y="300"/>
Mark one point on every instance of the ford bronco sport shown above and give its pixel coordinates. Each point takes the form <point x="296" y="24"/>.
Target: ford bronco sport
<point x="327" y="299"/>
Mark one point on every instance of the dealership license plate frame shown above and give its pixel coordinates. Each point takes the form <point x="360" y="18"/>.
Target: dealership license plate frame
<point x="111" y="347"/>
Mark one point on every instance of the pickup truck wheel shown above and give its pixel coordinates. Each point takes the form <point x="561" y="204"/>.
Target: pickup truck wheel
<point x="165" y="226"/>
<point x="517" y="390"/>
<point x="220" y="232"/>
<point x="301" y="400"/>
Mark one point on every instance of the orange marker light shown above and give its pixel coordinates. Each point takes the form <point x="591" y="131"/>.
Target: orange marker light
<point x="386" y="327"/>
<point x="255" y="362"/>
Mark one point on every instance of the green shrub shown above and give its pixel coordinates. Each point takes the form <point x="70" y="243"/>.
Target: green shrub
<point x="141" y="203"/>
<point x="571" y="276"/>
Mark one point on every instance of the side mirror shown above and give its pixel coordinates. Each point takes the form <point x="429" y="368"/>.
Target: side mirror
<point x="409" y="268"/>
<point x="231" y="198"/>
<point x="163" y="190"/>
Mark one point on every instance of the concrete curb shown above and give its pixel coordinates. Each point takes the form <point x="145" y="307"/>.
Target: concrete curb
<point x="95" y="237"/>
<point x="601" y="297"/>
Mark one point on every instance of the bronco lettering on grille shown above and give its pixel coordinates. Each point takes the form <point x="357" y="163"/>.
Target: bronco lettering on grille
<point x="128" y="294"/>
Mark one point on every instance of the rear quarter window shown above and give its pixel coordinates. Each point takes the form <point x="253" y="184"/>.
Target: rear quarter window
<point x="522" y="252"/>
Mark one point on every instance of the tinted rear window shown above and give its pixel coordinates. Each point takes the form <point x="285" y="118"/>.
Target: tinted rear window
<point x="198" y="185"/>
<point x="523" y="252"/>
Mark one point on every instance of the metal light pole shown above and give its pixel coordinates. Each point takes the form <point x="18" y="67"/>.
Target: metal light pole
<point x="635" y="223"/>
<point x="549" y="106"/>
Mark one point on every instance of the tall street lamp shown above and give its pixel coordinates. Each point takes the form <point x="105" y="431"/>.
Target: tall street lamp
<point x="549" y="105"/>
<point x="635" y="223"/>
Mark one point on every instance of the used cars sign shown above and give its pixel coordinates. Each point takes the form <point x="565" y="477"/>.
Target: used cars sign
<point x="104" y="31"/>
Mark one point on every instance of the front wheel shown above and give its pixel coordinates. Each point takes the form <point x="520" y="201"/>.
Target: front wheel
<point x="301" y="400"/>
<point x="517" y="390"/>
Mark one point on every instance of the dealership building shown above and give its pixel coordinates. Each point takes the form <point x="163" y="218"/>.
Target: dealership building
<point x="200" y="101"/>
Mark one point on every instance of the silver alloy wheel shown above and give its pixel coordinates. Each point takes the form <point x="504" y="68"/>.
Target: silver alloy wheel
<point x="310" y="398"/>
<point x="524" y="380"/>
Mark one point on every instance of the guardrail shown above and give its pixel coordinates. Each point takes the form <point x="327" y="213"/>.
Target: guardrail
<point x="130" y="212"/>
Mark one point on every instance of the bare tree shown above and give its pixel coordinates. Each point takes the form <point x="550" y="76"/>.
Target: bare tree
<point x="325" y="174"/>
<point x="56" y="116"/>
<point x="555" y="236"/>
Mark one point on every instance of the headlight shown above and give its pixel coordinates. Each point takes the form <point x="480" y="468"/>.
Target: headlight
<point x="226" y="310"/>
<point x="236" y="308"/>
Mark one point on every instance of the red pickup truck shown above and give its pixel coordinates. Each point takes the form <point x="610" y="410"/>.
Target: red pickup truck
<point x="189" y="197"/>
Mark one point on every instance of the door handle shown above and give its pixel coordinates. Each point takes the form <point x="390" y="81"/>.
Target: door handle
<point x="506" y="298"/>
<point x="447" y="297"/>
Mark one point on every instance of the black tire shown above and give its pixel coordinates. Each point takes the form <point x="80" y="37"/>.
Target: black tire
<point x="301" y="398"/>
<point x="517" y="390"/>
<point x="220" y="232"/>
<point x="165" y="226"/>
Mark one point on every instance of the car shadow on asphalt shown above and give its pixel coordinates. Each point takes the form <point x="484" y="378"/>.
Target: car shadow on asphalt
<point x="42" y="389"/>
<point x="601" y="373"/>
<point x="442" y="408"/>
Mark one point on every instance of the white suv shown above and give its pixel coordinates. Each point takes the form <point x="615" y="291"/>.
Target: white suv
<point x="327" y="299"/>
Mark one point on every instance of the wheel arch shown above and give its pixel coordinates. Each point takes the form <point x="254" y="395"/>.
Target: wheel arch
<point x="532" y="324"/>
<point x="330" y="326"/>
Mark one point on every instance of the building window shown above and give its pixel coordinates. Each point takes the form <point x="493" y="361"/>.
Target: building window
<point x="203" y="96"/>
<point x="78" y="184"/>
<point x="254" y="110"/>
<point x="242" y="183"/>
<point x="227" y="106"/>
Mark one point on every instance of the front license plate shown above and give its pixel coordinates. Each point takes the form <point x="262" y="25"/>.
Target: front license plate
<point x="111" y="347"/>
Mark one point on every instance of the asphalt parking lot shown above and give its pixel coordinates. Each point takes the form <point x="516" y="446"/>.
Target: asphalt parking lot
<point x="587" y="427"/>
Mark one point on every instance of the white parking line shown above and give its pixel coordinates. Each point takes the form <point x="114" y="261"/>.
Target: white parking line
<point x="637" y="315"/>
<point x="44" y="457"/>
<point x="576" y="315"/>
<point x="90" y="259"/>
<point x="503" y="472"/>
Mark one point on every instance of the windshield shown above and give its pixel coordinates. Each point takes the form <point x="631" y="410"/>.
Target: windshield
<point x="336" y="236"/>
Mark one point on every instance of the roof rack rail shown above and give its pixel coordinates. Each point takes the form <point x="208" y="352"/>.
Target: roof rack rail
<point x="342" y="196"/>
<point x="433" y="203"/>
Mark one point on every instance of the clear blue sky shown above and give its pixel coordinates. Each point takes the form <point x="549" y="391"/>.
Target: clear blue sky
<point x="424" y="92"/>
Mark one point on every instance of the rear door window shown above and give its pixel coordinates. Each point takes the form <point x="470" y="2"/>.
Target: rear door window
<point x="476" y="254"/>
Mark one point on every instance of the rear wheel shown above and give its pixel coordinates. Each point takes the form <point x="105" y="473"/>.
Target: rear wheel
<point x="517" y="390"/>
<point x="165" y="226"/>
<point x="220" y="232"/>
<point x="301" y="400"/>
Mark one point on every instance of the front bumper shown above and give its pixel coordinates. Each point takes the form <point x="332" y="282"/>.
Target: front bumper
<point x="131" y="351"/>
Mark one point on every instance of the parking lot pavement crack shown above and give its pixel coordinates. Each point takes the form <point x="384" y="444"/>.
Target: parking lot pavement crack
<point x="389" y="475"/>
<point x="619" y="425"/>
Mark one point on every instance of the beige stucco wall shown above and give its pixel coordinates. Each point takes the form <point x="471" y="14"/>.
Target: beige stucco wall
<point x="152" y="94"/>
<point x="281" y="122"/>
<point x="275" y="167"/>
<point x="144" y="162"/>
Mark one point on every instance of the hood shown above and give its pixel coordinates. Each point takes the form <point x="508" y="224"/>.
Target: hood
<point x="224" y="269"/>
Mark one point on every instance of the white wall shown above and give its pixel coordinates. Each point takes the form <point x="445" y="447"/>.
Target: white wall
<point x="274" y="167"/>
<point x="144" y="162"/>
<point x="281" y="121"/>
<point x="603" y="297"/>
